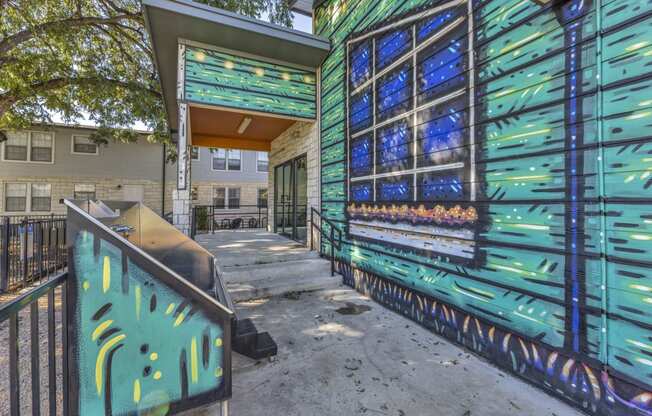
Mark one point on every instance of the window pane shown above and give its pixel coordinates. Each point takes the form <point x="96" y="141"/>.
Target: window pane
<point x="234" y="159"/>
<point x="41" y="197"/>
<point x="234" y="198"/>
<point x="219" y="159"/>
<point x="262" y="162"/>
<point x="262" y="198"/>
<point x="16" y="197"/>
<point x="219" y="196"/>
<point x="16" y="146"/>
<point x="82" y="144"/>
<point x="41" y="147"/>
<point x="85" y="191"/>
<point x="194" y="153"/>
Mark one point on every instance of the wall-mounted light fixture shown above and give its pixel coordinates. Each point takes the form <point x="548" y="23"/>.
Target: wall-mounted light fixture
<point x="244" y="124"/>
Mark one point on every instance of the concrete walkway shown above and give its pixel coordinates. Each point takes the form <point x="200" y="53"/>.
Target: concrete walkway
<point x="342" y="354"/>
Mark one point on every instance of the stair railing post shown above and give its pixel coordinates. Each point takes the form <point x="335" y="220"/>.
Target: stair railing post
<point x="332" y="251"/>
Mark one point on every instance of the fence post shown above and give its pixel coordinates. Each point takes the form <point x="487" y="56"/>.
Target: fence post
<point x="38" y="242"/>
<point x="332" y="251"/>
<point x="4" y="256"/>
<point x="24" y="249"/>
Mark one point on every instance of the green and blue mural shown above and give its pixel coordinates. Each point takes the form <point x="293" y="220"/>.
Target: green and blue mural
<point x="224" y="79"/>
<point x="139" y="344"/>
<point x="489" y="162"/>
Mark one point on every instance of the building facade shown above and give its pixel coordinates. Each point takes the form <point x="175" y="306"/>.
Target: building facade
<point x="41" y="166"/>
<point x="486" y="162"/>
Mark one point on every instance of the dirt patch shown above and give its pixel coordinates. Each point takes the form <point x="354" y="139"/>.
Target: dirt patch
<point x="353" y="309"/>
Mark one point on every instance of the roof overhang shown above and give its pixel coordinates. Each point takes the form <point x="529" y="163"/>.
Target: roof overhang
<point x="302" y="6"/>
<point x="171" y="21"/>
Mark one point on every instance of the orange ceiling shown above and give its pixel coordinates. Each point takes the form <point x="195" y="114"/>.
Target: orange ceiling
<point x="219" y="128"/>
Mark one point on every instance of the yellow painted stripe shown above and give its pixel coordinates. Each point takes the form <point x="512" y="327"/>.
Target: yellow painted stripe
<point x="179" y="319"/>
<point x="194" y="374"/>
<point x="137" y="294"/>
<point x="136" y="390"/>
<point x="99" y="362"/>
<point x="106" y="274"/>
<point x="100" y="328"/>
<point x="169" y="309"/>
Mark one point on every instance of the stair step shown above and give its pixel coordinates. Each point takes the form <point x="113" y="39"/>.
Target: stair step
<point x="281" y="257"/>
<point x="256" y="289"/>
<point x="259" y="272"/>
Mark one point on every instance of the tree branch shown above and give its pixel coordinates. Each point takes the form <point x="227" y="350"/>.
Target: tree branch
<point x="13" y="41"/>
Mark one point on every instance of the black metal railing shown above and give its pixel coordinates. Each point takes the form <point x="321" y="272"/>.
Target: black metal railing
<point x="328" y="235"/>
<point x="209" y="218"/>
<point x="35" y="352"/>
<point x="31" y="249"/>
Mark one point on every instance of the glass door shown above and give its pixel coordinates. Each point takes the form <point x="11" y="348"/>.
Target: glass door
<point x="291" y="198"/>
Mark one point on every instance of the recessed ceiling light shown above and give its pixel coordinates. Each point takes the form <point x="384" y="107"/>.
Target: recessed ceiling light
<point x="244" y="124"/>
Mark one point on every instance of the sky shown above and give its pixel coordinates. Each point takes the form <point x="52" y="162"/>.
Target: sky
<point x="300" y="22"/>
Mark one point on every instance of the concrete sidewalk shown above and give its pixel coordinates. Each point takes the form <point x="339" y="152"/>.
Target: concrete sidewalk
<point x="342" y="354"/>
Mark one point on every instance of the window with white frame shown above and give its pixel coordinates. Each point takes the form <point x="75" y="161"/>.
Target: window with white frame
<point x="262" y="197"/>
<point x="85" y="191"/>
<point x="29" y="146"/>
<point x="226" y="159"/>
<point x="41" y="197"/>
<point x="83" y="145"/>
<point x="234" y="198"/>
<point x="16" y="197"/>
<point x="194" y="153"/>
<point x="219" y="197"/>
<point x="262" y="162"/>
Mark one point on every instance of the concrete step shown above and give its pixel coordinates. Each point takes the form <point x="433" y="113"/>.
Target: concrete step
<point x="274" y="279"/>
<point x="280" y="257"/>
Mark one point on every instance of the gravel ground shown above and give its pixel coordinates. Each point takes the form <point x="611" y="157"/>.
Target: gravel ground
<point x="24" y="352"/>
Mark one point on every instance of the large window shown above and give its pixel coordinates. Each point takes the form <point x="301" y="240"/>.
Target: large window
<point x="262" y="197"/>
<point x="262" y="162"/>
<point x="41" y="197"/>
<point x="83" y="145"/>
<point x="29" y="146"/>
<point x="85" y="191"/>
<point x="16" y="197"/>
<point x="410" y="133"/>
<point x="226" y="159"/>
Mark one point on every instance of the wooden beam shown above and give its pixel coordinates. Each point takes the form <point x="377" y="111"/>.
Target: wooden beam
<point x="203" y="140"/>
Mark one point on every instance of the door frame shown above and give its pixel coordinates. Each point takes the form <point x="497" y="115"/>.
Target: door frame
<point x="293" y="191"/>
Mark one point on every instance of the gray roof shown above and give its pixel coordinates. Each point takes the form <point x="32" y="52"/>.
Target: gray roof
<point x="169" y="21"/>
<point x="302" y="6"/>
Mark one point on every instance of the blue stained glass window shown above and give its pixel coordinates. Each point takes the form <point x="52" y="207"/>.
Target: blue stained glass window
<point x="360" y="111"/>
<point x="394" y="95"/>
<point x="436" y="22"/>
<point x="395" y="189"/>
<point x="394" y="143"/>
<point x="447" y="186"/>
<point x="362" y="191"/>
<point x="391" y="46"/>
<point x="442" y="71"/>
<point x="360" y="64"/>
<point x="361" y="156"/>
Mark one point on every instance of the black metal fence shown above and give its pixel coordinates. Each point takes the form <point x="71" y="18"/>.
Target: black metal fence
<point x="31" y="249"/>
<point x="209" y="218"/>
<point x="33" y="330"/>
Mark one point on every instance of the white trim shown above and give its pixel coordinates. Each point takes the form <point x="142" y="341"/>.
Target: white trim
<point x="72" y="146"/>
<point x="29" y="148"/>
<point x="425" y="169"/>
<point x="226" y="196"/>
<point x="28" y="197"/>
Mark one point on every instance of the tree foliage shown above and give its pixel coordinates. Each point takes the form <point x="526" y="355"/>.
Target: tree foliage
<point x="89" y="58"/>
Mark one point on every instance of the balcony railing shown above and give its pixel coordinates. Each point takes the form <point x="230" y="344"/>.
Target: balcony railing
<point x="209" y="218"/>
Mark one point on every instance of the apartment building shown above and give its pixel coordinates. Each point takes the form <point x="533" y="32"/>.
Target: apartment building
<point x="42" y="165"/>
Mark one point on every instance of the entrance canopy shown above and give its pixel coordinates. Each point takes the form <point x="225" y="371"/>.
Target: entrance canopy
<point x="243" y="81"/>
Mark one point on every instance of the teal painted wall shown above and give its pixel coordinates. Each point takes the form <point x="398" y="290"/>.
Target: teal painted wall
<point x="553" y="133"/>
<point x="227" y="80"/>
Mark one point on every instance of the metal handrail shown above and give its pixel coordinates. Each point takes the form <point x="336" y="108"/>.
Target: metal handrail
<point x="9" y="312"/>
<point x="330" y="237"/>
